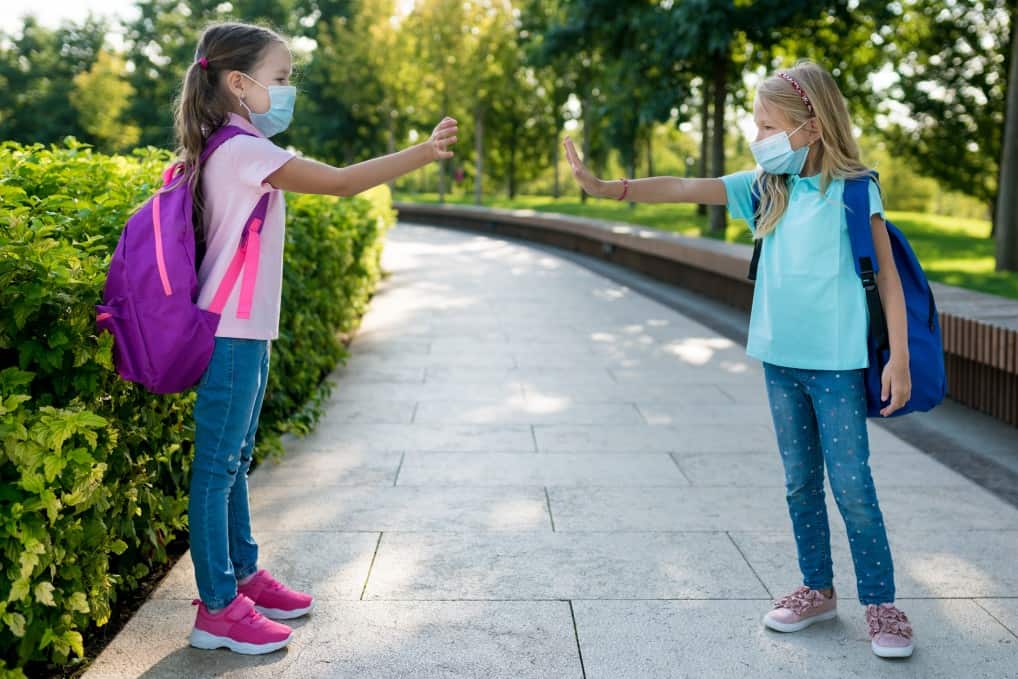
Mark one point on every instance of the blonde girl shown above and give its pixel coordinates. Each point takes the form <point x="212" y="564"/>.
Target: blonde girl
<point x="808" y="326"/>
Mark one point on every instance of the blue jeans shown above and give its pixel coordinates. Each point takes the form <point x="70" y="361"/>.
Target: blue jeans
<point x="820" y="417"/>
<point x="226" y="413"/>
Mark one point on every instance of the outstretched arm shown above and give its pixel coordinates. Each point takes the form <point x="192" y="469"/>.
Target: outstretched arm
<point x="301" y="175"/>
<point x="650" y="190"/>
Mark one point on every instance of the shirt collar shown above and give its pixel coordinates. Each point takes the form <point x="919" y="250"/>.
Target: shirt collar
<point x="811" y="181"/>
<point x="242" y="122"/>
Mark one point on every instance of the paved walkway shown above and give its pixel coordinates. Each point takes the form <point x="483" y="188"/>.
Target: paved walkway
<point x="530" y="471"/>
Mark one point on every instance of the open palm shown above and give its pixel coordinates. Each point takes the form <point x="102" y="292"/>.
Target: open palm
<point x="586" y="179"/>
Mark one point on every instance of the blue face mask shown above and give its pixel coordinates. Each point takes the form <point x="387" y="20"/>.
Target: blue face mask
<point x="775" y="155"/>
<point x="280" y="113"/>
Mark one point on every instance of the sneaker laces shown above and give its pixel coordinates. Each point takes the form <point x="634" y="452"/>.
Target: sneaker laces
<point x="252" y="617"/>
<point x="887" y="619"/>
<point x="801" y="600"/>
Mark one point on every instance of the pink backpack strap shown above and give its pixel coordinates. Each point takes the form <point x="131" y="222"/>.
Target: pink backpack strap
<point x="246" y="260"/>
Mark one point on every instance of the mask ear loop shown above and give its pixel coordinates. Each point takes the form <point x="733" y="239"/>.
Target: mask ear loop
<point x="241" y="97"/>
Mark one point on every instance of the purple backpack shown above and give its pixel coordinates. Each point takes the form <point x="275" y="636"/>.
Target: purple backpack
<point x="161" y="338"/>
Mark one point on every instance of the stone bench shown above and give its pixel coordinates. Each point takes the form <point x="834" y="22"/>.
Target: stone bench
<point x="980" y="331"/>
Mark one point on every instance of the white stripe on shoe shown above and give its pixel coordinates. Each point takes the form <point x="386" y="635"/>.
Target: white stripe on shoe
<point x="778" y="626"/>
<point x="204" y="640"/>
<point x="280" y="614"/>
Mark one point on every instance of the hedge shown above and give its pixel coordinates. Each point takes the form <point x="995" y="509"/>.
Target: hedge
<point x="94" y="471"/>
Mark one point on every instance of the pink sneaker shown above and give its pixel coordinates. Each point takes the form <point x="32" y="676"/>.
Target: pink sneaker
<point x="890" y="631"/>
<point x="273" y="599"/>
<point x="800" y="609"/>
<point x="238" y="627"/>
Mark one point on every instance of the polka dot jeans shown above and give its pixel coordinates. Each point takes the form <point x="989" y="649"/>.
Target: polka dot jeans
<point x="820" y="419"/>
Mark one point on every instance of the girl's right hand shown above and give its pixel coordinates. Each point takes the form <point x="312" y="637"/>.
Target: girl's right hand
<point x="443" y="137"/>
<point x="587" y="181"/>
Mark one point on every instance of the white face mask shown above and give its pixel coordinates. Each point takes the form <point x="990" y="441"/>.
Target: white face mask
<point x="775" y="155"/>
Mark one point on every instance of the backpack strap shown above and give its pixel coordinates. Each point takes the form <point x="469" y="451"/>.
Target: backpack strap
<point x="248" y="252"/>
<point x="754" y="194"/>
<point x="860" y="233"/>
<point x="246" y="260"/>
<point x="222" y="135"/>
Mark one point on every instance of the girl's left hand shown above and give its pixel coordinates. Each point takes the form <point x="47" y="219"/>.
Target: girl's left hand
<point x="895" y="384"/>
<point x="443" y="137"/>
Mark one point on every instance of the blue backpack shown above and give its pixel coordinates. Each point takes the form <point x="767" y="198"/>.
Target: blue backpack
<point x="926" y="350"/>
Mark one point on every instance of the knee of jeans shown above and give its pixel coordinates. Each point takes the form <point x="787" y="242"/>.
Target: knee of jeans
<point x="859" y="511"/>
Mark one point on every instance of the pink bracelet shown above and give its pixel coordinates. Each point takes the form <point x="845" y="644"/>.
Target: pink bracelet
<point x="625" y="188"/>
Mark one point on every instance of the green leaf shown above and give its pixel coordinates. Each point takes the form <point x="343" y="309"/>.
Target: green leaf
<point x="74" y="640"/>
<point x="44" y="594"/>
<point x="16" y="623"/>
<point x="77" y="602"/>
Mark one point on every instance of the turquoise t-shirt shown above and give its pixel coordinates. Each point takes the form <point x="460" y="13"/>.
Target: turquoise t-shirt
<point x="809" y="308"/>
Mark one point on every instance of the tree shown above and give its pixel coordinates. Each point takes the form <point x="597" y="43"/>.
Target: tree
<point x="356" y="84"/>
<point x="101" y="96"/>
<point x="952" y="62"/>
<point x="1006" y="216"/>
<point x="37" y="70"/>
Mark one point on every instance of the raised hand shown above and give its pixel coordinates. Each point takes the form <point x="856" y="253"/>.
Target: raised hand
<point x="586" y="179"/>
<point x="443" y="137"/>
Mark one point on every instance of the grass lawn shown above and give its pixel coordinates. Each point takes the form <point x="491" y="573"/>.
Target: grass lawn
<point x="952" y="250"/>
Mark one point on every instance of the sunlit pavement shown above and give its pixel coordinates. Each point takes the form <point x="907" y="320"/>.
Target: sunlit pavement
<point x="528" y="470"/>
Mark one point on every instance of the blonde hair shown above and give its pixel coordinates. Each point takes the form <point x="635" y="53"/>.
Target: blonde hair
<point x="836" y="148"/>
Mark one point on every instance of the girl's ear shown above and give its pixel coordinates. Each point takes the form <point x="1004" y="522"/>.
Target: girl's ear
<point x="813" y="126"/>
<point x="235" y="83"/>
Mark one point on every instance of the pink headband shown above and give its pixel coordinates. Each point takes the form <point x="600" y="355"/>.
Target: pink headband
<point x="204" y="63"/>
<point x="798" y="89"/>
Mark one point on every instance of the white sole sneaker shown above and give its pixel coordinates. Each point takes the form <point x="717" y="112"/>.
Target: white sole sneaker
<point x="892" y="651"/>
<point x="204" y="640"/>
<point x="279" y="614"/>
<point x="801" y="625"/>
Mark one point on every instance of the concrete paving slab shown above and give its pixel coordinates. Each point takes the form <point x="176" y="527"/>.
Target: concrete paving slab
<point x="535" y="469"/>
<point x="302" y="468"/>
<point x="360" y="508"/>
<point x="647" y="439"/>
<point x="333" y="565"/>
<point x="765" y="469"/>
<point x="444" y="640"/>
<point x="667" y="639"/>
<point x="482" y="438"/>
<point x="560" y="566"/>
<point x="527" y="411"/>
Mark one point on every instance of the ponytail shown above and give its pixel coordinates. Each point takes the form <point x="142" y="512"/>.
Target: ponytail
<point x="204" y="104"/>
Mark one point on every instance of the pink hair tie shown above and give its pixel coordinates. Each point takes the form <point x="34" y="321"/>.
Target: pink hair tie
<point x="204" y="63"/>
<point x="798" y="90"/>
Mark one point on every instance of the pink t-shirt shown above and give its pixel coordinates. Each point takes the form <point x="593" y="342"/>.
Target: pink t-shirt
<point x="232" y="182"/>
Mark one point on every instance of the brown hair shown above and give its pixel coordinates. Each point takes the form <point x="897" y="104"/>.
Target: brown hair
<point x="203" y="104"/>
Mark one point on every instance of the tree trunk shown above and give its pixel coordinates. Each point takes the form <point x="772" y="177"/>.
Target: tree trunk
<point x="555" y="151"/>
<point x="631" y="170"/>
<point x="586" y="142"/>
<point x="1005" y="218"/>
<point x="650" y="153"/>
<point x="512" y="159"/>
<point x="718" y="216"/>
<point x="479" y="153"/>
<point x="390" y="141"/>
<point x="704" y="138"/>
